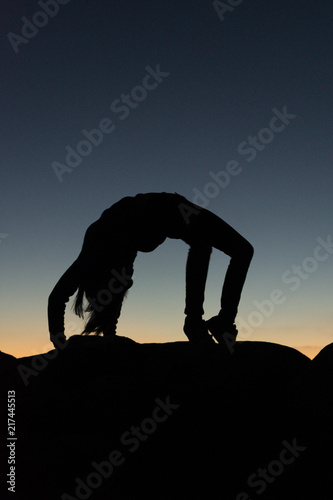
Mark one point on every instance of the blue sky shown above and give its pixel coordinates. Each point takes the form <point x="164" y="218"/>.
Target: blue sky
<point x="224" y="78"/>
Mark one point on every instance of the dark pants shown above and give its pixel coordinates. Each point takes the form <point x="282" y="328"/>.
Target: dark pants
<point x="206" y="231"/>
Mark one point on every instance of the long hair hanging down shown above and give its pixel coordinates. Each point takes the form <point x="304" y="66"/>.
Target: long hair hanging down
<point x="102" y="307"/>
<point x="78" y="302"/>
<point x="100" y="257"/>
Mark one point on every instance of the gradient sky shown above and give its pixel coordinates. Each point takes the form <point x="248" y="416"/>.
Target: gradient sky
<point x="224" y="78"/>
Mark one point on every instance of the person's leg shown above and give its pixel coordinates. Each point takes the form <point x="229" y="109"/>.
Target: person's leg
<point x="223" y="237"/>
<point x="212" y="231"/>
<point x="241" y="253"/>
<point x="209" y="228"/>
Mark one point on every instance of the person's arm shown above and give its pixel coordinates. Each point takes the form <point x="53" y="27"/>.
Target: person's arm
<point x="63" y="290"/>
<point x="196" y="275"/>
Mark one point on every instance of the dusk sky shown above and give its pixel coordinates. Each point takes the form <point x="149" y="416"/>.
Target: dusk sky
<point x="228" y="104"/>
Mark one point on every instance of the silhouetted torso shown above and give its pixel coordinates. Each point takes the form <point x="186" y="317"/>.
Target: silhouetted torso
<point x="143" y="222"/>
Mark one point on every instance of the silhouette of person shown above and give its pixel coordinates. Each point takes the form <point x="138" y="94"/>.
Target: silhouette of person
<point x="102" y="273"/>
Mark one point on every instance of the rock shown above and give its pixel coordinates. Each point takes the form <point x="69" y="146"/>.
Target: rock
<point x="7" y="364"/>
<point x="125" y="420"/>
<point x="312" y="411"/>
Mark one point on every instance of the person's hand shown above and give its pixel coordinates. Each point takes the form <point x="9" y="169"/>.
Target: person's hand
<point x="59" y="340"/>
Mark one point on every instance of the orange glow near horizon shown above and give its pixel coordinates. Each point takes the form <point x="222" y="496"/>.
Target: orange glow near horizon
<point x="309" y="351"/>
<point x="33" y="344"/>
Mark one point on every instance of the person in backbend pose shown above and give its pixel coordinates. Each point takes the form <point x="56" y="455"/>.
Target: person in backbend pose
<point x="102" y="273"/>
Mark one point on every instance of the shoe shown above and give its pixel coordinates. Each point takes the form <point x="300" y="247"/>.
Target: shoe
<point x="197" y="331"/>
<point x="221" y="331"/>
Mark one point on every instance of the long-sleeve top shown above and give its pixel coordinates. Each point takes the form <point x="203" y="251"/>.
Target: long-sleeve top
<point x="139" y="223"/>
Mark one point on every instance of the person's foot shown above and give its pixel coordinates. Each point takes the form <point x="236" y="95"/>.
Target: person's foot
<point x="221" y="331"/>
<point x="196" y="331"/>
